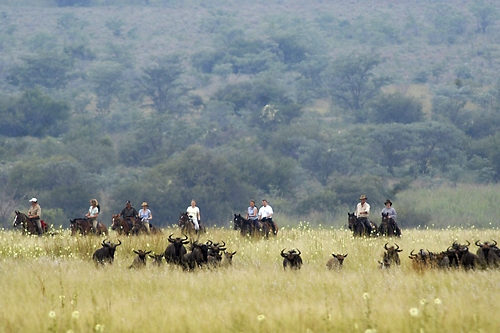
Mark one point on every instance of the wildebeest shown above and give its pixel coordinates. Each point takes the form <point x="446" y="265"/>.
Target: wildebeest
<point x="489" y="254"/>
<point x="176" y="249"/>
<point x="106" y="254"/>
<point x="336" y="262"/>
<point x="157" y="259"/>
<point x="468" y="260"/>
<point x="195" y="258"/>
<point x="140" y="260"/>
<point x="392" y="253"/>
<point x="291" y="259"/>
<point x="228" y="258"/>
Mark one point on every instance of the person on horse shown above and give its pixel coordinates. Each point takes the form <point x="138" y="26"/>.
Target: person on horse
<point x="363" y="212"/>
<point x="194" y="214"/>
<point x="93" y="213"/>
<point x="252" y="214"/>
<point x="388" y="209"/>
<point x="129" y="213"/>
<point x="145" y="215"/>
<point x="266" y="214"/>
<point x="35" y="214"/>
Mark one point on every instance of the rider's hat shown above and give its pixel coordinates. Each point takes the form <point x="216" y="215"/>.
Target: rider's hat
<point x="362" y="197"/>
<point x="388" y="202"/>
<point x="33" y="200"/>
<point x="144" y="204"/>
<point x="128" y="202"/>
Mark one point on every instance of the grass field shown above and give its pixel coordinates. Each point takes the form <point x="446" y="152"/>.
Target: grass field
<point x="51" y="285"/>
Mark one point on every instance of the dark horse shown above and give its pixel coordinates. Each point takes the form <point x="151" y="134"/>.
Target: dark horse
<point x="388" y="226"/>
<point x="187" y="226"/>
<point x="140" y="228"/>
<point x="358" y="228"/>
<point x="246" y="227"/>
<point x="83" y="226"/>
<point x="29" y="226"/>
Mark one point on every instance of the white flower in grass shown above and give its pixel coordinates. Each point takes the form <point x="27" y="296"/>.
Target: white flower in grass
<point x="414" y="312"/>
<point x="437" y="301"/>
<point x="52" y="314"/>
<point x="99" y="328"/>
<point x="75" y="314"/>
<point x="423" y="301"/>
<point x="371" y="330"/>
<point x="261" y="317"/>
<point x="366" y="296"/>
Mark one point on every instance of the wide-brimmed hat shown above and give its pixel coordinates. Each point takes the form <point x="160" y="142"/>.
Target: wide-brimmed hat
<point x="33" y="200"/>
<point x="362" y="197"/>
<point x="388" y="202"/>
<point x="128" y="202"/>
<point x="144" y="204"/>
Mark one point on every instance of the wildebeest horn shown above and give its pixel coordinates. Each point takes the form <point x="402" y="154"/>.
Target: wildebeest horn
<point x="104" y="242"/>
<point x="282" y="253"/>
<point x="397" y="246"/>
<point x="299" y="252"/>
<point x="345" y="255"/>
<point x="170" y="237"/>
<point x="185" y="237"/>
<point x="119" y="243"/>
<point x="468" y="243"/>
<point x="148" y="252"/>
<point x="495" y="242"/>
<point x="413" y="254"/>
<point x="478" y="244"/>
<point x="385" y="246"/>
<point x="136" y="252"/>
<point x="223" y="243"/>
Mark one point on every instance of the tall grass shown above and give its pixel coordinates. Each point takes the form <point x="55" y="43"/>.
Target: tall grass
<point x="51" y="284"/>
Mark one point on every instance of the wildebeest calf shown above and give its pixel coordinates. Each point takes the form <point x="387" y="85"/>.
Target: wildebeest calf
<point x="106" y="254"/>
<point x="140" y="260"/>
<point x="336" y="262"/>
<point x="227" y="260"/>
<point x="157" y="259"/>
<point x="291" y="259"/>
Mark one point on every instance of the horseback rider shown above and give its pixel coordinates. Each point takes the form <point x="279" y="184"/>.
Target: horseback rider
<point x="388" y="209"/>
<point x="93" y="213"/>
<point x="363" y="212"/>
<point x="35" y="214"/>
<point x="194" y="214"/>
<point x="266" y="214"/>
<point x="129" y="213"/>
<point x="252" y="214"/>
<point x="145" y="215"/>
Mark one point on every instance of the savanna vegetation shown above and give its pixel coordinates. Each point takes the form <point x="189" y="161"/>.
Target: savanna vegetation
<point x="50" y="284"/>
<point x="308" y="104"/>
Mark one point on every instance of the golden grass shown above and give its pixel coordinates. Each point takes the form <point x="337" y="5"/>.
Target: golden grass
<point x="50" y="284"/>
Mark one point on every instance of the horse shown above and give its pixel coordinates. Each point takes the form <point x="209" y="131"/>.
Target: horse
<point x="29" y="225"/>
<point x="247" y="227"/>
<point x="120" y="225"/>
<point x="84" y="227"/>
<point x="388" y="226"/>
<point x="140" y="228"/>
<point x="358" y="228"/>
<point x="187" y="226"/>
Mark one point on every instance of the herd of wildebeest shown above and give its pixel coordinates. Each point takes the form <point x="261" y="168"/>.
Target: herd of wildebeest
<point x="213" y="255"/>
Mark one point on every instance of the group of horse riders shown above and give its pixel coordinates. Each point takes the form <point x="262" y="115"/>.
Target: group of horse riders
<point x="264" y="214"/>
<point x="363" y="212"/>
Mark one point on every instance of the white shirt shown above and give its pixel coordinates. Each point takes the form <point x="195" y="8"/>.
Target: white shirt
<point x="93" y="211"/>
<point x="194" y="212"/>
<point x="265" y="211"/>
<point x="362" y="211"/>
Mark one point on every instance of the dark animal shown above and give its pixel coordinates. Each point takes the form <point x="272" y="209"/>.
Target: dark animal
<point x="388" y="226"/>
<point x="140" y="260"/>
<point x="140" y="228"/>
<point x="176" y="249"/>
<point x="358" y="228"/>
<point x="157" y="259"/>
<point x="392" y="253"/>
<point x="195" y="258"/>
<point x="336" y="262"/>
<point x="214" y="254"/>
<point x="291" y="259"/>
<point x="106" y="254"/>
<point x="247" y="227"/>
<point x="28" y="225"/>
<point x="385" y="264"/>
<point x="187" y="226"/>
<point x="120" y="225"/>
<point x="469" y="260"/>
<point x="489" y="254"/>
<point x="83" y="226"/>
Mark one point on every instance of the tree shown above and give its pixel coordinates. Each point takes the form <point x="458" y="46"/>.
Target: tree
<point x="485" y="15"/>
<point x="106" y="78"/>
<point x="351" y="81"/>
<point x="396" y="108"/>
<point x="32" y="113"/>
<point x="51" y="70"/>
<point x="162" y="83"/>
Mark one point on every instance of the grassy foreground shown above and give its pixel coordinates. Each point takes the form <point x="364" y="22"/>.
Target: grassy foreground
<point x="51" y="285"/>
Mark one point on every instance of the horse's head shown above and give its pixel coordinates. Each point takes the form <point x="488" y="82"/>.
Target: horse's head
<point x="237" y="221"/>
<point x="386" y="219"/>
<point x="115" y="221"/>
<point x="18" y="219"/>
<point x="183" y="219"/>
<point x="352" y="219"/>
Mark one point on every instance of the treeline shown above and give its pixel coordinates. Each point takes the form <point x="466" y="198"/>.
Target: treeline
<point x="309" y="108"/>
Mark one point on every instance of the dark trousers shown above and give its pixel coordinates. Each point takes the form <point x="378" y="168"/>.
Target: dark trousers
<point x="270" y="221"/>
<point x="365" y="221"/>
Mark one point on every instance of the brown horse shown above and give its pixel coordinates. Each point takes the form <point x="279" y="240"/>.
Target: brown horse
<point x="120" y="225"/>
<point x="83" y="226"/>
<point x="358" y="228"/>
<point x="187" y="226"/>
<point x="28" y="225"/>
<point x="140" y="228"/>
